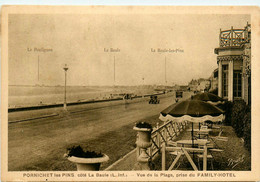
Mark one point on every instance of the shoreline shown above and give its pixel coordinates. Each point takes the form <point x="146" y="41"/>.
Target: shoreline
<point x="42" y="97"/>
<point x="82" y="101"/>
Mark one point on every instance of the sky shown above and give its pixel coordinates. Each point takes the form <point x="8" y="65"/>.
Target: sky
<point x="80" y="41"/>
<point x="130" y="2"/>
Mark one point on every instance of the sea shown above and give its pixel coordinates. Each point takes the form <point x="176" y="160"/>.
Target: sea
<point x="22" y="96"/>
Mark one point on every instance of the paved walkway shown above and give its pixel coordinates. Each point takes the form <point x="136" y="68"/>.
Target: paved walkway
<point x="124" y="164"/>
<point x="46" y="139"/>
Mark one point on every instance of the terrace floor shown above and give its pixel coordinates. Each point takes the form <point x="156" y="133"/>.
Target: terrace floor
<point x="234" y="157"/>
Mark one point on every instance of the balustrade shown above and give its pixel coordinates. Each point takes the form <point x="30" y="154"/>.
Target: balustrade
<point x="234" y="37"/>
<point x="160" y="136"/>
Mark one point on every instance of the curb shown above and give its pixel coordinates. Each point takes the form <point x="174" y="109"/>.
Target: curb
<point x="39" y="117"/>
<point x="16" y="109"/>
<point x="117" y="104"/>
<point x="55" y="114"/>
<point x="115" y="163"/>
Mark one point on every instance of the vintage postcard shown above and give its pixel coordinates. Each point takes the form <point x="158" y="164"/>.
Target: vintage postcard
<point x="130" y="93"/>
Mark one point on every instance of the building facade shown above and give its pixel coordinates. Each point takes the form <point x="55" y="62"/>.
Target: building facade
<point x="200" y="85"/>
<point x="234" y="64"/>
<point x="213" y="80"/>
<point x="204" y="84"/>
<point x="193" y="85"/>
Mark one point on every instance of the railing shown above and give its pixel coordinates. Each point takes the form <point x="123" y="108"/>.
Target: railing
<point x="162" y="135"/>
<point x="234" y="37"/>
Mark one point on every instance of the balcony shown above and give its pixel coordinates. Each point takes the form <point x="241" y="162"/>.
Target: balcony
<point x="234" y="37"/>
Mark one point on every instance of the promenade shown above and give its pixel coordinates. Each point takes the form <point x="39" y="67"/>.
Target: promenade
<point x="39" y="144"/>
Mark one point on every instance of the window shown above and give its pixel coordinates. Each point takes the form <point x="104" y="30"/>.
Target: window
<point x="237" y="83"/>
<point x="225" y="80"/>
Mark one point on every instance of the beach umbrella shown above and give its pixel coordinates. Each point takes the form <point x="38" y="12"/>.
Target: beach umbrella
<point x="192" y="110"/>
<point x="195" y="111"/>
<point x="208" y="97"/>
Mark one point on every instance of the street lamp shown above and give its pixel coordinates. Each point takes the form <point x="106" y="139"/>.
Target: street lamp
<point x="65" y="102"/>
<point x="143" y="87"/>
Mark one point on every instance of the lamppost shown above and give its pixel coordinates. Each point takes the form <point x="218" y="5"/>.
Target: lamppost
<point x="143" y="87"/>
<point x="65" y="102"/>
<point x="165" y="72"/>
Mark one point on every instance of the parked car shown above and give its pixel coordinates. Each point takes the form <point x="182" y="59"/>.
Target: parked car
<point x="128" y="97"/>
<point x="154" y="99"/>
<point x="179" y="94"/>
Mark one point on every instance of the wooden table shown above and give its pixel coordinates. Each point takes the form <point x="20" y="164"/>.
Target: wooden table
<point x="201" y="132"/>
<point x="184" y="147"/>
<point x="201" y="142"/>
<point x="197" y="130"/>
<point x="189" y="142"/>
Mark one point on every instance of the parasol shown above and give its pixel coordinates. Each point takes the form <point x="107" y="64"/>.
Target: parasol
<point x="195" y="111"/>
<point x="208" y="97"/>
<point x="192" y="110"/>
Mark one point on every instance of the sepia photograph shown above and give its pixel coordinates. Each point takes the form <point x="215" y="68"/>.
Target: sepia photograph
<point x="131" y="92"/>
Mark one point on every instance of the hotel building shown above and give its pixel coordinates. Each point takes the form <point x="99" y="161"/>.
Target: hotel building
<point x="234" y="64"/>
